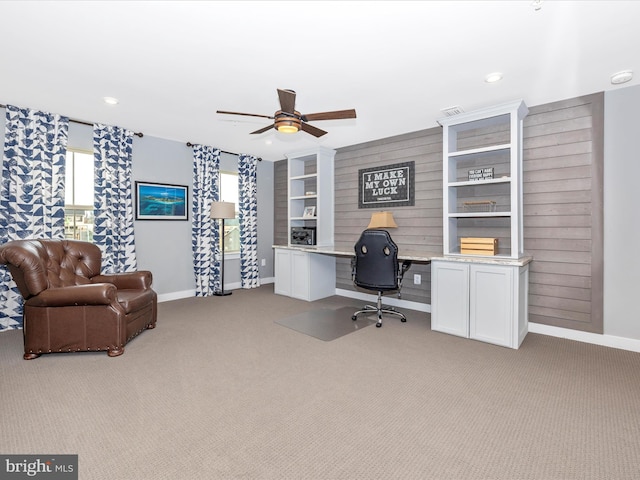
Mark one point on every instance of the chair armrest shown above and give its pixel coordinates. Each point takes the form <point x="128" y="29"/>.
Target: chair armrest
<point x="76" y="295"/>
<point x="140" y="280"/>
<point x="353" y="268"/>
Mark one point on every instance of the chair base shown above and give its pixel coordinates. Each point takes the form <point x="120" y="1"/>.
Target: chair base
<point x="380" y="310"/>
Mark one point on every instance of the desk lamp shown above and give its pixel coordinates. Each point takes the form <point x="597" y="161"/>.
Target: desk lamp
<point x="382" y="220"/>
<point x="222" y="210"/>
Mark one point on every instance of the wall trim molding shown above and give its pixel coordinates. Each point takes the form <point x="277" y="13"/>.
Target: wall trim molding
<point x="167" y="297"/>
<point x="604" y="340"/>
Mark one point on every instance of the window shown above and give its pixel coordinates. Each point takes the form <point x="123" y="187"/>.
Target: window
<point x="229" y="193"/>
<point x="78" y="202"/>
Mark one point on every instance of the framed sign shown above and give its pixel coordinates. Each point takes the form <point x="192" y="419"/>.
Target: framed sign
<point x="160" y="201"/>
<point x="480" y="174"/>
<point x="388" y="186"/>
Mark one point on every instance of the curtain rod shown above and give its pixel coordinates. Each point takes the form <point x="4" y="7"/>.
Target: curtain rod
<point x="189" y="144"/>
<point x="82" y="122"/>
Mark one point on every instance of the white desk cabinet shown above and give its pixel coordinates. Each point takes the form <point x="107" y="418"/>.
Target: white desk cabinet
<point x="304" y="275"/>
<point x="482" y="301"/>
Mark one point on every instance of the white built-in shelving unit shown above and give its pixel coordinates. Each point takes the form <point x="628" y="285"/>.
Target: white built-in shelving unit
<point x="483" y="297"/>
<point x="310" y="182"/>
<point x="484" y="140"/>
<point x="299" y="273"/>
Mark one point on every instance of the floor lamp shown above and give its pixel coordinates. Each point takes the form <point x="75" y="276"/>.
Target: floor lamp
<point x="222" y="210"/>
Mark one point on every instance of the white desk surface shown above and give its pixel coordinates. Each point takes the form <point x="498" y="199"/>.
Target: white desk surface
<point x="346" y="250"/>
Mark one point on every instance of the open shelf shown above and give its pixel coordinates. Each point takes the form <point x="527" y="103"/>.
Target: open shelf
<point x="482" y="177"/>
<point x="311" y="171"/>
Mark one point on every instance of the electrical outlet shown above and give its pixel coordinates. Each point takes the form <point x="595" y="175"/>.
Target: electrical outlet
<point x="263" y="262"/>
<point x="417" y="279"/>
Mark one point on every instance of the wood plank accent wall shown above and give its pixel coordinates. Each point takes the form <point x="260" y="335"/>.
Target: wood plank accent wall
<point x="563" y="212"/>
<point x="563" y="208"/>
<point x="419" y="226"/>
<point x="280" y="203"/>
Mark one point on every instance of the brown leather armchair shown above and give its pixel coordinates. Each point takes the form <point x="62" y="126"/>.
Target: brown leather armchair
<point x="69" y="306"/>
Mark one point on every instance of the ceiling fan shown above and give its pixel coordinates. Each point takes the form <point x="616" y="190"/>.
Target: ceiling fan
<point x="289" y="120"/>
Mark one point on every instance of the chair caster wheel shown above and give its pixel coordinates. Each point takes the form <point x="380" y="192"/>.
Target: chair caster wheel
<point x="403" y="319"/>
<point x="354" y="317"/>
<point x="378" y="325"/>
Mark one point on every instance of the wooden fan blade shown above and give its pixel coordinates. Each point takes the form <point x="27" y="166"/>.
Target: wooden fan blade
<point x="287" y="100"/>
<point x="262" y="130"/>
<point x="316" y="132"/>
<point x="245" y="114"/>
<point x="337" y="115"/>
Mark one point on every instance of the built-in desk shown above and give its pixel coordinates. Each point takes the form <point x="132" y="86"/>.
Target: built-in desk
<point x="483" y="298"/>
<point x="304" y="273"/>
<point x="309" y="273"/>
<point x="347" y="250"/>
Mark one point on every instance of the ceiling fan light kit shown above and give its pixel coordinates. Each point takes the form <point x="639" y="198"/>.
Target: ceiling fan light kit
<point x="287" y="123"/>
<point x="289" y="120"/>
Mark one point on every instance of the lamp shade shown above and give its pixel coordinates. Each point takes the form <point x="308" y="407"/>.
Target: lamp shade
<point x="223" y="210"/>
<point x="382" y="220"/>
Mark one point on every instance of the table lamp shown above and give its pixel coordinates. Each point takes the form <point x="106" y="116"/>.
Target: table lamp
<point x="221" y="211"/>
<point x="382" y="220"/>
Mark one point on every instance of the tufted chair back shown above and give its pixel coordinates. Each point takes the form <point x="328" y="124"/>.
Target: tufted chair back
<point x="38" y="265"/>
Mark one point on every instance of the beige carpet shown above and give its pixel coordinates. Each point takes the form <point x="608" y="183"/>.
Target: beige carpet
<point x="220" y="391"/>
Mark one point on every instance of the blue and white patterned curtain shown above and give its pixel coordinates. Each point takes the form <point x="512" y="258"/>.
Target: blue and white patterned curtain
<point x="205" y="232"/>
<point x="248" y="217"/>
<point x="32" y="190"/>
<point x="113" y="204"/>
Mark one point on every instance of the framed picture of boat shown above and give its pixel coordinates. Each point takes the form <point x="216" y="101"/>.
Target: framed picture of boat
<point x="161" y="201"/>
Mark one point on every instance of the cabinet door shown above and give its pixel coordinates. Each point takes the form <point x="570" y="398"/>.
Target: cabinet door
<point x="491" y="304"/>
<point x="450" y="298"/>
<point x="300" y="287"/>
<point x="282" y="284"/>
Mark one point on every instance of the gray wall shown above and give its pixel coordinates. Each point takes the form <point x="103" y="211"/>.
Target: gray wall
<point x="622" y="217"/>
<point x="164" y="247"/>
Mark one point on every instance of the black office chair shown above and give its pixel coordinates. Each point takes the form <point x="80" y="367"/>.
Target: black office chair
<point x="375" y="267"/>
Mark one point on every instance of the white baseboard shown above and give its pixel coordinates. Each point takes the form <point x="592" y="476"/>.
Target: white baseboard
<point x="388" y="300"/>
<point x="622" y="343"/>
<point x="167" y="297"/>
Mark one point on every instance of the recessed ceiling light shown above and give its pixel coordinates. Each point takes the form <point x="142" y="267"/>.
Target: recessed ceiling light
<point x="268" y="142"/>
<point x="111" y="100"/>
<point x="493" y="77"/>
<point x="621" y="77"/>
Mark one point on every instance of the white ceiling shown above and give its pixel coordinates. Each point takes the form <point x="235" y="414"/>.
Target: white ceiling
<point x="172" y="64"/>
